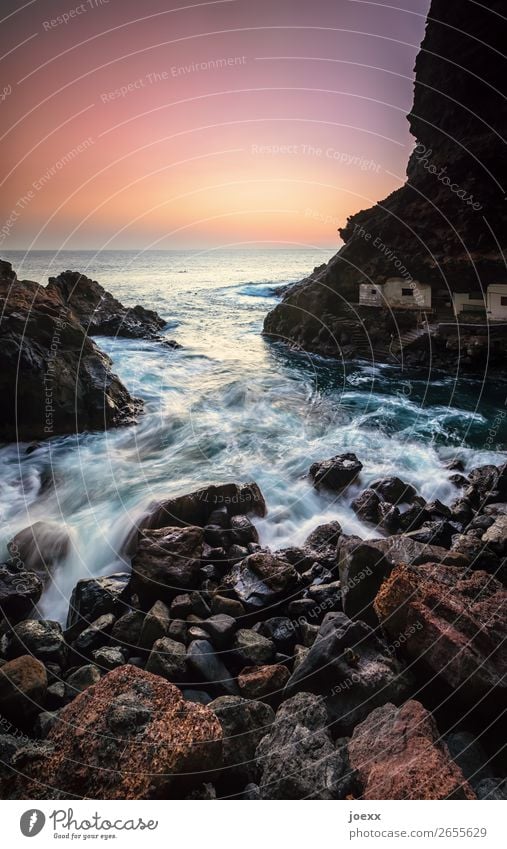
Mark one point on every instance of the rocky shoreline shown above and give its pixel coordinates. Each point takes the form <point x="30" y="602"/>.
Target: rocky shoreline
<point x="216" y="668"/>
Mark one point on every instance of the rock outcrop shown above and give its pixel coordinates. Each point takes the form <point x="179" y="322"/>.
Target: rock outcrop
<point x="53" y="378"/>
<point x="397" y="754"/>
<point x="101" y="314"/>
<point x="443" y="228"/>
<point x="130" y="736"/>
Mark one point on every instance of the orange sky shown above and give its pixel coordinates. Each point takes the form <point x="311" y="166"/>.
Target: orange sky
<point x="130" y="125"/>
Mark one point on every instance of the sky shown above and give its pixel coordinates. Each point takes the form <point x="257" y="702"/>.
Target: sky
<point x="171" y="125"/>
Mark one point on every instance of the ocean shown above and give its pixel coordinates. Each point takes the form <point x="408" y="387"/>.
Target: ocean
<point x="232" y="405"/>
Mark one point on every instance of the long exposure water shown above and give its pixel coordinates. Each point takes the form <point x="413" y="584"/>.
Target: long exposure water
<point x="231" y="405"/>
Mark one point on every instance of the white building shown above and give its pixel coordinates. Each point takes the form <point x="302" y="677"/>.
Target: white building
<point x="462" y="302"/>
<point x="396" y="293"/>
<point x="496" y="298"/>
<point x="494" y="304"/>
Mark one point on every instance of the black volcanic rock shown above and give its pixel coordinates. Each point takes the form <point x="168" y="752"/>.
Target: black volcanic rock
<point x="445" y="225"/>
<point x="99" y="312"/>
<point x="53" y="378"/>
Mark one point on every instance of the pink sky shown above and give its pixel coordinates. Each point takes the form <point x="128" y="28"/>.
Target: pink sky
<point x="238" y="121"/>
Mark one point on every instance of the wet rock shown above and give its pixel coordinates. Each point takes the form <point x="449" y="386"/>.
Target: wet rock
<point x="496" y="536"/>
<point x="366" y="506"/>
<point x="56" y="696"/>
<point x="337" y="472"/>
<point x="261" y="580"/>
<point x="478" y="554"/>
<point x="251" y="648"/>
<point x="400" y="548"/>
<point x="413" y="518"/>
<point x="466" y="750"/>
<point x="39" y="547"/>
<point x="86" y="394"/>
<point x="94" y="597"/>
<point x="492" y="789"/>
<point x="220" y="629"/>
<point x="99" y="313"/>
<point x="388" y="517"/>
<point x="203" y="660"/>
<point x="394" y="490"/>
<point x="200" y="697"/>
<point x="127" y="629"/>
<point x="322" y="543"/>
<point x="44" y="723"/>
<point x="244" y="724"/>
<point x="281" y="631"/>
<point x="300" y="653"/>
<point x="397" y="754"/>
<point x="96" y="635"/>
<point x="168" y="658"/>
<point x="39" y="637"/>
<point x="298" y="759"/>
<point x="155" y="744"/>
<point x="109" y="657"/>
<point x="264" y="683"/>
<point x="19" y="592"/>
<point x="462" y="628"/>
<point x="81" y="678"/>
<point x="439" y="532"/>
<point x="243" y="531"/>
<point x="156" y="625"/>
<point x="352" y="669"/>
<point x="195" y="508"/>
<point x="362" y="569"/>
<point x="23" y="685"/>
<point x="167" y="560"/>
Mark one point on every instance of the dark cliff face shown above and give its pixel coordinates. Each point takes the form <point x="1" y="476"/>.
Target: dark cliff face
<point x="444" y="226"/>
<point x="53" y="378"/>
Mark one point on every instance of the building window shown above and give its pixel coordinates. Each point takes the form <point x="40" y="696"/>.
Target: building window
<point x="503" y="301"/>
<point x="374" y="291"/>
<point x="407" y="293"/>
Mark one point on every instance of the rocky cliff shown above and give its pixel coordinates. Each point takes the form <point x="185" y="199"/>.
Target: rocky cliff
<point x="53" y="378"/>
<point x="444" y="225"/>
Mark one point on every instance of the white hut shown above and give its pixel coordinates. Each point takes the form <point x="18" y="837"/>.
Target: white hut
<point x="397" y="293"/>
<point x="496" y="298"/>
<point x="462" y="302"/>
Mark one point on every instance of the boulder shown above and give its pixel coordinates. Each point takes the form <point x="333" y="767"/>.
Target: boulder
<point x="362" y="569"/>
<point x="95" y="636"/>
<point x="397" y="754"/>
<point x="261" y="580"/>
<point x="168" y="658"/>
<point x="366" y="506"/>
<point x="99" y="313"/>
<point x="195" y="508"/>
<point x="460" y="641"/>
<point x="496" y="536"/>
<point x="155" y="744"/>
<point x="19" y="592"/>
<point x="336" y="473"/>
<point x="39" y="637"/>
<point x="128" y="628"/>
<point x="321" y="543"/>
<point x="167" y="560"/>
<point x="352" y="669"/>
<point x="81" y="678"/>
<point x="400" y="548"/>
<point x="92" y="597"/>
<point x="23" y="685"/>
<point x="251" y="648"/>
<point x="394" y="490"/>
<point x="264" y="683"/>
<point x="53" y="378"/>
<point x="220" y="629"/>
<point x="109" y="657"/>
<point x="297" y="757"/>
<point x="203" y="660"/>
<point x="243" y="531"/>
<point x="244" y="724"/>
<point x="156" y="625"/>
<point x="281" y="630"/>
<point x="40" y="547"/>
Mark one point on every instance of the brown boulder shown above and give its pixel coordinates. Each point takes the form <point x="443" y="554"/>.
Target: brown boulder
<point x="397" y="754"/>
<point x="195" y="508"/>
<point x="23" y="685"/>
<point x="130" y="736"/>
<point x="263" y="682"/>
<point x="167" y="560"/>
<point x="463" y="629"/>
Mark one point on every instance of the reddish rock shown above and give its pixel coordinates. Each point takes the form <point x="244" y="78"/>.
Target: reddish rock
<point x="23" y="684"/>
<point x="397" y="754"/>
<point x="130" y="736"/>
<point x="462" y="631"/>
<point x="263" y="682"/>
